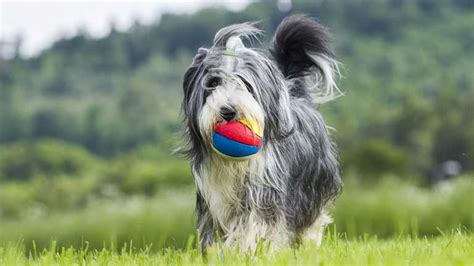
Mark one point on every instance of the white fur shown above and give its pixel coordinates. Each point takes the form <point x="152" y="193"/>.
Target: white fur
<point x="324" y="88"/>
<point x="314" y="233"/>
<point x="234" y="44"/>
<point x="220" y="184"/>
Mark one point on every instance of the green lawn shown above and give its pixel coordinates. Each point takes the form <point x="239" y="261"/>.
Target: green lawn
<point x="454" y="249"/>
<point x="388" y="210"/>
<point x="389" y="223"/>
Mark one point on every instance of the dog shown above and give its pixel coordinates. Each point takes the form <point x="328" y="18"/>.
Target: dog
<point x="280" y="196"/>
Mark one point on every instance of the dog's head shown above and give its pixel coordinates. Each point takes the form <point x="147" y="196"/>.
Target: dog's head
<point x="230" y="81"/>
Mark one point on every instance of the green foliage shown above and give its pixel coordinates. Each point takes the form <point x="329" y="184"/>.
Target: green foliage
<point x="134" y="176"/>
<point x="394" y="208"/>
<point x="455" y="122"/>
<point x="373" y="158"/>
<point x="389" y="209"/>
<point x="15" y="198"/>
<point x="114" y="94"/>
<point x="87" y="126"/>
<point x="47" y="158"/>
<point x="51" y="175"/>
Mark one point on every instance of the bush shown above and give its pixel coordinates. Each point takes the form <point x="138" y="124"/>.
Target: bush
<point x="374" y="158"/>
<point x="24" y="160"/>
<point x="135" y="176"/>
<point x="57" y="176"/>
<point x="15" y="198"/>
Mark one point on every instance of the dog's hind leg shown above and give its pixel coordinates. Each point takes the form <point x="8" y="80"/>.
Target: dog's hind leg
<point x="314" y="233"/>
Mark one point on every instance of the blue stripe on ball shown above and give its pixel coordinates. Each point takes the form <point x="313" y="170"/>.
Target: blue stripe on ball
<point x="232" y="148"/>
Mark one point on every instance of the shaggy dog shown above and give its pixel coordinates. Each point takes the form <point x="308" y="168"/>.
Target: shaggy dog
<point x="279" y="196"/>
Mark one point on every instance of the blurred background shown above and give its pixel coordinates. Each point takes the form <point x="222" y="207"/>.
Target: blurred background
<point x="89" y="114"/>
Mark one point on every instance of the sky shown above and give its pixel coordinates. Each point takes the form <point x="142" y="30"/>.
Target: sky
<point x="40" y="23"/>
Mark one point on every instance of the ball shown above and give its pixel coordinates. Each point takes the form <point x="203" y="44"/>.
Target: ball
<point x="237" y="139"/>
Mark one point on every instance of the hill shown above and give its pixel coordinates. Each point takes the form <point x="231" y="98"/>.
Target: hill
<point x="407" y="76"/>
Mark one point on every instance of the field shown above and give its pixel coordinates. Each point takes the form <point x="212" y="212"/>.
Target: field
<point x="455" y="249"/>
<point x="166" y="220"/>
<point x="88" y="127"/>
<point x="409" y="225"/>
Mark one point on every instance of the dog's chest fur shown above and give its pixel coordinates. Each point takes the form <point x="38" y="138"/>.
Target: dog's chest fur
<point x="241" y="203"/>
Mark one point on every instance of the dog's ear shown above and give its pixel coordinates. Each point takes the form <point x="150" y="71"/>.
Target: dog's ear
<point x="301" y="47"/>
<point x="197" y="61"/>
<point x="192" y="100"/>
<point x="190" y="74"/>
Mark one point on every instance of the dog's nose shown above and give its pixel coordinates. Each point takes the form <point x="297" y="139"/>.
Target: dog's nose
<point x="228" y="113"/>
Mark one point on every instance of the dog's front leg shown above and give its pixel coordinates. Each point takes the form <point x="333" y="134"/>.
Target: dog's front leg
<point x="205" y="224"/>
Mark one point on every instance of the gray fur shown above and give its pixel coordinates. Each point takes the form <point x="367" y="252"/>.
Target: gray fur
<point x="300" y="174"/>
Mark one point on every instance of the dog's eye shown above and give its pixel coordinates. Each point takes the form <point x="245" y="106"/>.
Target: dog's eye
<point x="247" y="85"/>
<point x="213" y="82"/>
<point x="207" y="93"/>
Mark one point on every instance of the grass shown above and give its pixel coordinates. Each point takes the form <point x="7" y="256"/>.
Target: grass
<point x="165" y="220"/>
<point x="453" y="249"/>
<point x="390" y="209"/>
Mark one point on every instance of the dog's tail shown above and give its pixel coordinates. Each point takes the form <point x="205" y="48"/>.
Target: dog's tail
<point x="302" y="50"/>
